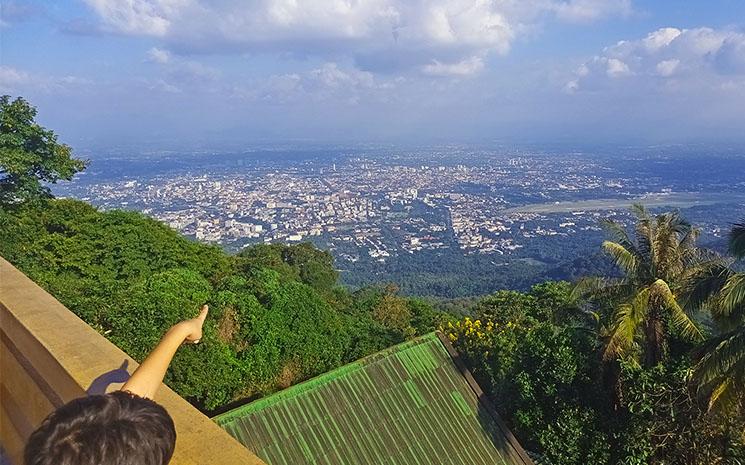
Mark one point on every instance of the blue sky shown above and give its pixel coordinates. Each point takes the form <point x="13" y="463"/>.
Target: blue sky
<point x="164" y="72"/>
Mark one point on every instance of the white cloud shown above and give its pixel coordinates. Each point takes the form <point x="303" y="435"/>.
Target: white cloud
<point x="328" y="82"/>
<point x="139" y="16"/>
<point x="666" y="68"/>
<point x="158" y="55"/>
<point x="331" y="76"/>
<point x="476" y="22"/>
<point x="11" y="77"/>
<point x="178" y="72"/>
<point x="163" y="86"/>
<point x="192" y="71"/>
<point x="660" y="38"/>
<point x="616" y="68"/>
<point x="730" y="58"/>
<point x="465" y="67"/>
<point x="571" y="86"/>
<point x="379" y="33"/>
<point x="669" y="57"/>
<point x="15" y="81"/>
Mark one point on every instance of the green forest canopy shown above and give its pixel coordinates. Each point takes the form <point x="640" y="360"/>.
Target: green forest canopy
<point x="277" y="315"/>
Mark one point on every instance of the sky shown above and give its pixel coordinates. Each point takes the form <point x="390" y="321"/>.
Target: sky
<point x="162" y="73"/>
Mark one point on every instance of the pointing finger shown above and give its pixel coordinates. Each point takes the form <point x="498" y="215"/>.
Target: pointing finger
<point x="203" y="313"/>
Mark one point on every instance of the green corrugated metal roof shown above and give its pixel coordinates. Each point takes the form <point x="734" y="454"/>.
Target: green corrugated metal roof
<point x="407" y="405"/>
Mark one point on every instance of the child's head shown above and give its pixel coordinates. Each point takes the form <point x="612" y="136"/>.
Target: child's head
<point x="113" y="429"/>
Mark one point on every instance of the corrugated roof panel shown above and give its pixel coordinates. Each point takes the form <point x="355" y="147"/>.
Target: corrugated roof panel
<point x="407" y="405"/>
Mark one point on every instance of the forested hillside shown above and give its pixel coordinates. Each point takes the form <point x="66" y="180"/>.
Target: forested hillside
<point x="277" y="315"/>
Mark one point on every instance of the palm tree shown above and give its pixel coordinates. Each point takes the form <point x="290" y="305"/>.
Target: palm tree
<point x="720" y="371"/>
<point x="655" y="265"/>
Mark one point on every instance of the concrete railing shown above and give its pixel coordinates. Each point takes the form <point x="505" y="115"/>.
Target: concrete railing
<point x="49" y="356"/>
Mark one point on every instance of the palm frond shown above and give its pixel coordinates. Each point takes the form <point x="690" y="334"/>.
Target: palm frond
<point x="702" y="281"/>
<point x="737" y="240"/>
<point x="602" y="289"/>
<point x="640" y="211"/>
<point x="622" y="257"/>
<point x="722" y="394"/>
<point x="732" y="302"/>
<point x="689" y="238"/>
<point x="720" y="356"/>
<point x="679" y="318"/>
<point x="721" y="370"/>
<point x="666" y="256"/>
<point x="617" y="233"/>
<point x="619" y="338"/>
<point x="644" y="232"/>
<point x="628" y="319"/>
<point x="677" y="223"/>
<point x="587" y="287"/>
<point x="700" y="257"/>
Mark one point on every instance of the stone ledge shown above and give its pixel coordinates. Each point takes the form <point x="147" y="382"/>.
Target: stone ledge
<point x="50" y="356"/>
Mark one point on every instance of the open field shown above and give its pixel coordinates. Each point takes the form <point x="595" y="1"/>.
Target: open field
<point x="673" y="200"/>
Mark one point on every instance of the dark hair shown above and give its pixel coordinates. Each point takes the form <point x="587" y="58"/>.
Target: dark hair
<point x="113" y="429"/>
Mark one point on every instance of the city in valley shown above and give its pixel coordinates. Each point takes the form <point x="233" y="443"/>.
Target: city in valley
<point x="395" y="213"/>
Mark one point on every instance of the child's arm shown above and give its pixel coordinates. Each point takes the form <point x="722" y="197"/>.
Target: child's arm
<point x="147" y="378"/>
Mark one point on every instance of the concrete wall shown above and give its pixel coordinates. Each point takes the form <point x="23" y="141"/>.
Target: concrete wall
<point x="49" y="356"/>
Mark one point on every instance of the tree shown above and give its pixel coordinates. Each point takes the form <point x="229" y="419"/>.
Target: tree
<point x="302" y="262"/>
<point x="424" y="318"/>
<point x="539" y="373"/>
<point x="506" y="306"/>
<point x="720" y="371"/>
<point x="656" y="267"/>
<point x="393" y="312"/>
<point x="666" y="422"/>
<point x="30" y="155"/>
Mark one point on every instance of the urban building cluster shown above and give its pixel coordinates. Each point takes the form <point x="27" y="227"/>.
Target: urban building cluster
<point x="379" y="207"/>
